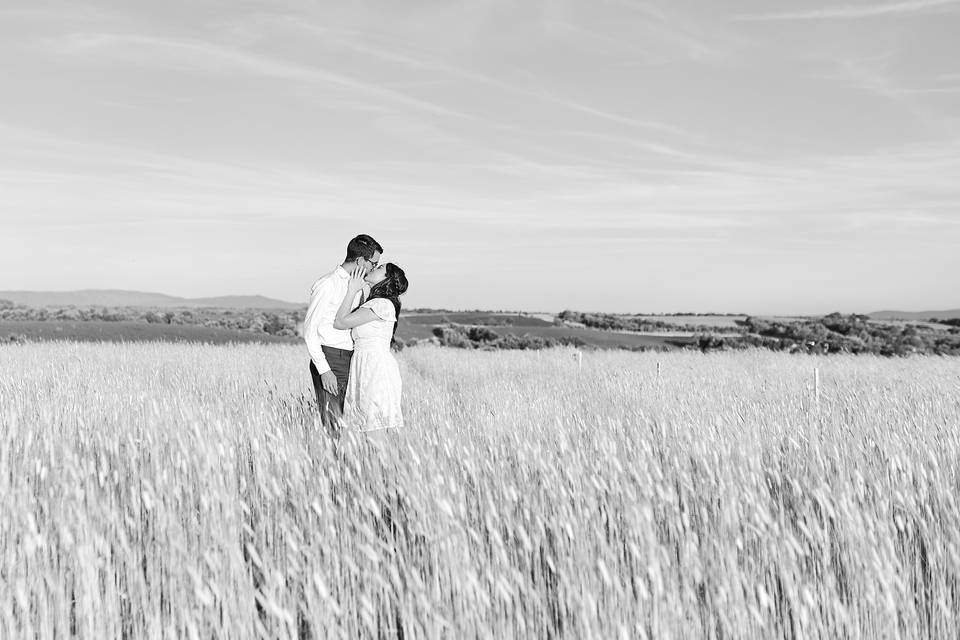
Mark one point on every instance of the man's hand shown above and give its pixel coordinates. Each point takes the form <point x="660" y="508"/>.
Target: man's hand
<point x="329" y="381"/>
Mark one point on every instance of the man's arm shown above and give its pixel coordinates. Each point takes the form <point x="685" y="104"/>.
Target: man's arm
<point x="319" y="359"/>
<point x="311" y="325"/>
<point x="321" y="298"/>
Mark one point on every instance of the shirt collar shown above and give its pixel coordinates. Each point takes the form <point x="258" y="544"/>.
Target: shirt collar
<point x="340" y="271"/>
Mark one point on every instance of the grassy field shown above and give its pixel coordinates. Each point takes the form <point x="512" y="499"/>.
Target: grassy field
<point x="486" y="318"/>
<point x="604" y="339"/>
<point x="177" y="490"/>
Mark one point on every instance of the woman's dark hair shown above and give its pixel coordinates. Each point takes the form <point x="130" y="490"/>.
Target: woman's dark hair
<point x="391" y="287"/>
<point x="363" y="246"/>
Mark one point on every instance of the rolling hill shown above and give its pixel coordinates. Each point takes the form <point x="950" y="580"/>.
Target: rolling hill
<point x="120" y="298"/>
<point x="915" y="315"/>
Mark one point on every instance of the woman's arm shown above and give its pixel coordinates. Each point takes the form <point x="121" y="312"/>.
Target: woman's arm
<point x="345" y="318"/>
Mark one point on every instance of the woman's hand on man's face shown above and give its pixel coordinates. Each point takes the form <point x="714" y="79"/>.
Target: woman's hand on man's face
<point x="356" y="282"/>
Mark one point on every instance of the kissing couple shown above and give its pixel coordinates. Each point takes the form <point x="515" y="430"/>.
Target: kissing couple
<point x="349" y="327"/>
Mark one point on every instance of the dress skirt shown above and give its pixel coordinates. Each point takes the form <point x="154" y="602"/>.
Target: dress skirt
<point x="373" y="391"/>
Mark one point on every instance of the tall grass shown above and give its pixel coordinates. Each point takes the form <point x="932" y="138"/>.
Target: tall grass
<point x="167" y="491"/>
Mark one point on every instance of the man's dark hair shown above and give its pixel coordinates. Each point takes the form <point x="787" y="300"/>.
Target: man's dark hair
<point x="363" y="246"/>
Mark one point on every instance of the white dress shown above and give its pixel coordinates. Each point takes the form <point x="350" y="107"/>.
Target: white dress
<point x="374" y="386"/>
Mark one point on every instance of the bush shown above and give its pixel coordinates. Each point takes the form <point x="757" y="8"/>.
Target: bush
<point x="452" y="336"/>
<point x="272" y="324"/>
<point x="482" y="334"/>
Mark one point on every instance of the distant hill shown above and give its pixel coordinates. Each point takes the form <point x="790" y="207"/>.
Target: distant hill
<point x="906" y="315"/>
<point x="119" y="298"/>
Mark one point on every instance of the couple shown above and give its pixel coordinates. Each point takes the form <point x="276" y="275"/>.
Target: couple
<point x="349" y="326"/>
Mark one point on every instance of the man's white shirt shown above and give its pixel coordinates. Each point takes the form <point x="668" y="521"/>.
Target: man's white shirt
<point x="326" y="296"/>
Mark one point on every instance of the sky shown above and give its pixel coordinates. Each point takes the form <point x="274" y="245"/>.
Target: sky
<point x="539" y="155"/>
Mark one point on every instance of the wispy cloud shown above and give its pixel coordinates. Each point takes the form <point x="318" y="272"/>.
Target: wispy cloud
<point x="205" y="56"/>
<point x="211" y="57"/>
<point x="358" y="43"/>
<point x="946" y="83"/>
<point x="849" y="12"/>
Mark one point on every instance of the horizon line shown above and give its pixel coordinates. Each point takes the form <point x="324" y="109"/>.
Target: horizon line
<point x="491" y="310"/>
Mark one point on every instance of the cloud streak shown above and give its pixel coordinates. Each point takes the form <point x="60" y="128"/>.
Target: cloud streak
<point x="356" y="43"/>
<point x="210" y="57"/>
<point x="852" y="12"/>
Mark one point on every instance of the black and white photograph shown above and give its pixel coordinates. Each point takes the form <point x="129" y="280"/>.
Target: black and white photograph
<point x="479" y="319"/>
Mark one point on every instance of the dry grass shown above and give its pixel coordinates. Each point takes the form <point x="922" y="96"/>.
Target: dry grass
<point x="184" y="491"/>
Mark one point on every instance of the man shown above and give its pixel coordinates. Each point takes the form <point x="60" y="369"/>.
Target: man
<point x="331" y="349"/>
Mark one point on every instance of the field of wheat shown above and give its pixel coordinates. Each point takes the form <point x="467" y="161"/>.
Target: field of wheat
<point x="168" y="491"/>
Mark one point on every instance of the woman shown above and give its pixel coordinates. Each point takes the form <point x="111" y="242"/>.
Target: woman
<point x="373" y="388"/>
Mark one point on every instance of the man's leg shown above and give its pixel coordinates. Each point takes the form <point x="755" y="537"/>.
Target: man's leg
<point x="327" y="403"/>
<point x="331" y="406"/>
<point x="317" y="383"/>
<point x="343" y="378"/>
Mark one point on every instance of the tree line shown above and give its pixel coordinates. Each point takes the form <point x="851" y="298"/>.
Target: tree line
<point x="638" y="323"/>
<point x="833" y="333"/>
<point x="838" y="333"/>
<point x="278" y="323"/>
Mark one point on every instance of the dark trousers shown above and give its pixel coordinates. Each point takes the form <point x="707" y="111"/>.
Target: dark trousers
<point x="331" y="406"/>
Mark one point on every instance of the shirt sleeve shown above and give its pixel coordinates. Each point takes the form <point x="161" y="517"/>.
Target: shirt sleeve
<point x="312" y="324"/>
<point x="383" y="308"/>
